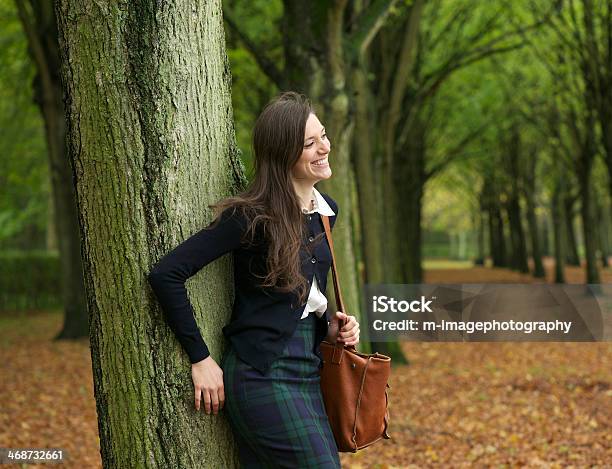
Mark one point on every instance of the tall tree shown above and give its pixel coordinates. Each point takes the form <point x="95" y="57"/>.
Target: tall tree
<point x="529" y="191"/>
<point x="492" y="204"/>
<point x="513" y="165"/>
<point x="414" y="57"/>
<point x="39" y="25"/>
<point x="593" y="38"/>
<point x="151" y="141"/>
<point x="569" y="61"/>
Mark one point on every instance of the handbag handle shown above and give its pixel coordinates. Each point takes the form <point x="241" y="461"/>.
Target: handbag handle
<point x="339" y="300"/>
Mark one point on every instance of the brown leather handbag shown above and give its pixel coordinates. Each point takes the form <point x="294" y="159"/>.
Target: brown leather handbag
<point x="354" y="385"/>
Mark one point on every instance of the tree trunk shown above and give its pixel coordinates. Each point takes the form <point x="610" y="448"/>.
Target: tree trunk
<point x="370" y="207"/>
<point x="40" y="25"/>
<point x="571" y="257"/>
<point x="479" y="222"/>
<point x="500" y="259"/>
<point x="534" y="235"/>
<point x="51" y="243"/>
<point x="588" y="151"/>
<point x="606" y="136"/>
<point x="546" y="234"/>
<point x="558" y="231"/>
<point x="517" y="235"/>
<point x="409" y="183"/>
<point x="497" y="244"/>
<point x="588" y="147"/>
<point x="513" y="162"/>
<point x="598" y="73"/>
<point x="604" y="232"/>
<point x="600" y="234"/>
<point x="589" y="230"/>
<point x="390" y="127"/>
<point x="152" y="144"/>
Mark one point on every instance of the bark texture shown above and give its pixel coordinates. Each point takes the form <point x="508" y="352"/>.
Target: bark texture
<point x="152" y="144"/>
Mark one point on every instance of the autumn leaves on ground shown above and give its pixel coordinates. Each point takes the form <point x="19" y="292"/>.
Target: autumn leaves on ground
<point x="456" y="404"/>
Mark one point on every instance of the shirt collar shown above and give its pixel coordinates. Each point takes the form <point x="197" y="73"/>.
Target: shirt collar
<point x="321" y="204"/>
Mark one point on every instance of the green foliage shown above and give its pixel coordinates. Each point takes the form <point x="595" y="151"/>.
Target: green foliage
<point x="24" y="181"/>
<point x="520" y="88"/>
<point x="251" y="87"/>
<point x="29" y="280"/>
<point x="469" y="112"/>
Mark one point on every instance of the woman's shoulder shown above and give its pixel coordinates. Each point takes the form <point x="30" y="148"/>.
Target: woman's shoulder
<point x="247" y="222"/>
<point x="229" y="218"/>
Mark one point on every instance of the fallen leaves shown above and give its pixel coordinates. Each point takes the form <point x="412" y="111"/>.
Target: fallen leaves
<point x="46" y="391"/>
<point x="457" y="405"/>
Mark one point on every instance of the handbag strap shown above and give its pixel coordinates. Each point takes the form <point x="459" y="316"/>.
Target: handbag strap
<point x="339" y="300"/>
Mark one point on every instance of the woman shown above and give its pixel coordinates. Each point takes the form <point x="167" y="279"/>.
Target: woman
<point x="269" y="375"/>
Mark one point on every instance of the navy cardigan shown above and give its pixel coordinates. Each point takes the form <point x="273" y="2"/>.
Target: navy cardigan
<point x="262" y="318"/>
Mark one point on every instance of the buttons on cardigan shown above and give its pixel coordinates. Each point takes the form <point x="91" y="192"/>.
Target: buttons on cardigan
<point x="313" y="260"/>
<point x="310" y="239"/>
<point x="309" y="217"/>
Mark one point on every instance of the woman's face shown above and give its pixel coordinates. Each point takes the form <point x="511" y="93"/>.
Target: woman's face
<point x="312" y="165"/>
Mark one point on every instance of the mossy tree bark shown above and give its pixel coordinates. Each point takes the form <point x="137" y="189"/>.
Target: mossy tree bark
<point x="152" y="143"/>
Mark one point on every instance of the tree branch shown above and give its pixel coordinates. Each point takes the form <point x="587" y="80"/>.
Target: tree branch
<point x="460" y="16"/>
<point x="368" y="23"/>
<point x="455" y="152"/>
<point x="459" y="59"/>
<point x="445" y="73"/>
<point x="265" y="64"/>
<point x="27" y="20"/>
<point x="405" y="65"/>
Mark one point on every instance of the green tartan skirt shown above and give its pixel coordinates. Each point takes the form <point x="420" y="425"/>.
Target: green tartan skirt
<point x="278" y="418"/>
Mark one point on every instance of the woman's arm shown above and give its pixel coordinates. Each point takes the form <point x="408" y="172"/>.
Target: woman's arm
<point x="168" y="276"/>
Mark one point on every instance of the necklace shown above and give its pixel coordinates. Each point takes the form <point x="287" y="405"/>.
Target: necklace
<point x="312" y="205"/>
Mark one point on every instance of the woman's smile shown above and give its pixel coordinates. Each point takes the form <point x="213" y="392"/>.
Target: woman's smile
<point x="321" y="162"/>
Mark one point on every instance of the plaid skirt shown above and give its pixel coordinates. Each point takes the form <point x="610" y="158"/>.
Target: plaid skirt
<point x="279" y="419"/>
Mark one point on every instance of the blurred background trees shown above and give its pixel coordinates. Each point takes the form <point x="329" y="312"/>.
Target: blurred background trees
<point x="463" y="134"/>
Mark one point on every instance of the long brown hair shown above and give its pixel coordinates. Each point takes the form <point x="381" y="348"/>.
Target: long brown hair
<point x="271" y="200"/>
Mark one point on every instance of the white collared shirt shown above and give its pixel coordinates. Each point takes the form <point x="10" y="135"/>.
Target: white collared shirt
<point x="317" y="302"/>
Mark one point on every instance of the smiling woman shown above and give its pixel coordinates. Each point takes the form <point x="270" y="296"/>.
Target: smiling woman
<point x="270" y="371"/>
<point x="313" y="165"/>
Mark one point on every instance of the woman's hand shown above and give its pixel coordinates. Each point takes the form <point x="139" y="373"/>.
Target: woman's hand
<point x="208" y="381"/>
<point x="349" y="334"/>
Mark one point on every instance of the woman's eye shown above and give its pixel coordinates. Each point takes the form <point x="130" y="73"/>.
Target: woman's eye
<point x="310" y="144"/>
